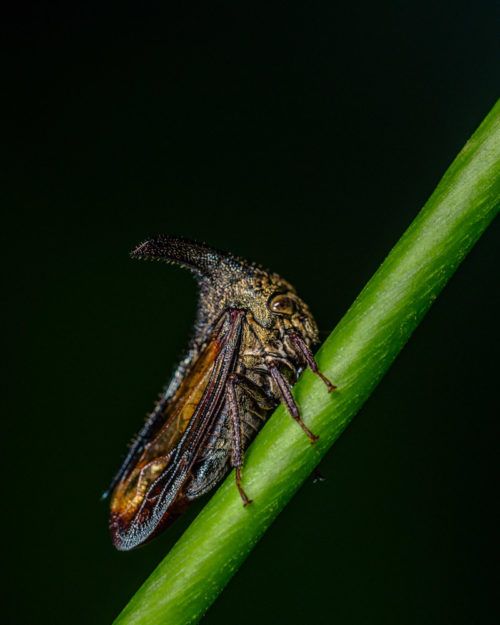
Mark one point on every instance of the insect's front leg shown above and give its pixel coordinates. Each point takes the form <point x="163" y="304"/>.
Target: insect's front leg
<point x="272" y="364"/>
<point x="303" y="350"/>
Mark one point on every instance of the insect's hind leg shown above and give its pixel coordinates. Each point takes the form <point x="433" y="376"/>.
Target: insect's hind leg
<point x="237" y="455"/>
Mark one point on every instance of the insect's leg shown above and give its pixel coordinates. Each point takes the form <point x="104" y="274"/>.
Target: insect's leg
<point x="237" y="455"/>
<point x="255" y="392"/>
<point x="288" y="400"/>
<point x="304" y="350"/>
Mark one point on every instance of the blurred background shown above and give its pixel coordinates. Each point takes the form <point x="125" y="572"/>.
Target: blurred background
<point x="306" y="137"/>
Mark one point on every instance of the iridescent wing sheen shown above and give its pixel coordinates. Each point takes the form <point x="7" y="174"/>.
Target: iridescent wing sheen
<point x="147" y="493"/>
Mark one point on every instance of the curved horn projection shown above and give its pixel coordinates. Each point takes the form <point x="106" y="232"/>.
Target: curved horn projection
<point x="199" y="258"/>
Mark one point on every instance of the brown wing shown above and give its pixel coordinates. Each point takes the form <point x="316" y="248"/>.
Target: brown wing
<point x="149" y="493"/>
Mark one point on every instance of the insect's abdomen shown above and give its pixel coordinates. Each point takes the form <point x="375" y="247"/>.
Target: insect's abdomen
<point x="255" y="406"/>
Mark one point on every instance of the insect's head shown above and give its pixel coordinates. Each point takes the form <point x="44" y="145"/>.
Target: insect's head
<point x="273" y="303"/>
<point x="230" y="282"/>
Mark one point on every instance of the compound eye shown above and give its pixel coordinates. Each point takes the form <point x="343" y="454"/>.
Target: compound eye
<point x="282" y="305"/>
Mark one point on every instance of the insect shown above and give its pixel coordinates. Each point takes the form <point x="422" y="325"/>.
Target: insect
<point x="251" y="342"/>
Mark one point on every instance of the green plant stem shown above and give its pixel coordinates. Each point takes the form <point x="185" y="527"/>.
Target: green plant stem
<point x="355" y="357"/>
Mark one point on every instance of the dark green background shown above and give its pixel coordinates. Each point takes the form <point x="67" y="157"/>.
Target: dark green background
<point x="302" y="136"/>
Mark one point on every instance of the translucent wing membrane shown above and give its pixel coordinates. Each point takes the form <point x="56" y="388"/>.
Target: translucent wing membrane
<point x="149" y="491"/>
